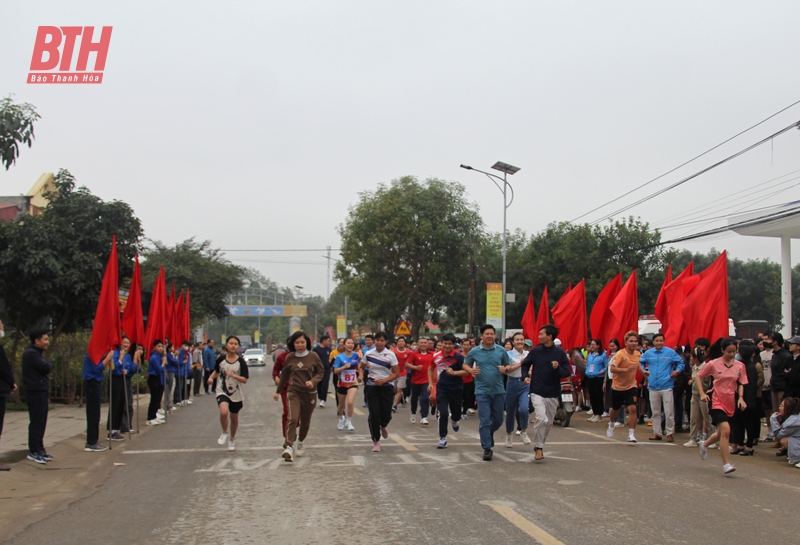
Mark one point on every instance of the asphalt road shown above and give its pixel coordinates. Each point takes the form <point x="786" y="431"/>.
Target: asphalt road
<point x="179" y="486"/>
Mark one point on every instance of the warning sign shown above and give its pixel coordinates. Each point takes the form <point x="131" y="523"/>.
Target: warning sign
<point x="402" y="329"/>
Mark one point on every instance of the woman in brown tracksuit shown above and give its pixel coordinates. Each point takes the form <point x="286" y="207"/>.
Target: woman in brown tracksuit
<point x="303" y="370"/>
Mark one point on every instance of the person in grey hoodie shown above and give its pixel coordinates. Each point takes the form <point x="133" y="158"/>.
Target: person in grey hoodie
<point x="35" y="377"/>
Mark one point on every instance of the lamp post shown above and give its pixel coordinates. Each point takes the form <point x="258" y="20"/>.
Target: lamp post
<point x="506" y="169"/>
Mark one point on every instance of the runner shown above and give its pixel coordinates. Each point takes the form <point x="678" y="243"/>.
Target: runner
<point x="334" y="353"/>
<point x="382" y="366"/>
<point x="302" y="372"/>
<point x="369" y="344"/>
<point x="280" y="361"/>
<point x="469" y="382"/>
<point x="623" y="386"/>
<point x="450" y="391"/>
<point x="402" y="354"/>
<point x="518" y="392"/>
<point x="419" y="362"/>
<point x="345" y="367"/>
<point x="323" y="351"/>
<point x="730" y="377"/>
<point x="232" y="372"/>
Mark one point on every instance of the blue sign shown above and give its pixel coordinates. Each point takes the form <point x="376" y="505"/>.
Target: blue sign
<point x="255" y="310"/>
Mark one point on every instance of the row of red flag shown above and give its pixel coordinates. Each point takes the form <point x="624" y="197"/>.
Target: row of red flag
<point x="688" y="307"/>
<point x="168" y="318"/>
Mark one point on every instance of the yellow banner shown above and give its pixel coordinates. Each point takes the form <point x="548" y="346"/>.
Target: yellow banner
<point x="295" y="310"/>
<point x="341" y="326"/>
<point x="494" y="304"/>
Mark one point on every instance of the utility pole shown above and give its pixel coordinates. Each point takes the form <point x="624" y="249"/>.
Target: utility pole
<point x="328" y="296"/>
<point x="471" y="305"/>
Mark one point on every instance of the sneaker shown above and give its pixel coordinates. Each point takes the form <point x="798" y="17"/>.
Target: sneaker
<point x="322" y="404"/>
<point x="173" y="408"/>
<point x="413" y="419"/>
<point x="161" y="412"/>
<point x="222" y="439"/>
<point x="797" y="465"/>
<point x="231" y="445"/>
<point x="604" y="415"/>
<point x="728" y="468"/>
<point x="464" y="417"/>
<point x="509" y="440"/>
<point x="424" y="422"/>
<point x="713" y="446"/>
<point x="46" y="456"/>
<point x="525" y="439"/>
<point x="341" y="423"/>
<point x="610" y="430"/>
<point x="456" y="427"/>
<point x="487" y="455"/>
<point x="590" y="412"/>
<point x="595" y="418"/>
<point x="690" y="443"/>
<point x="632" y="438"/>
<point x="517" y="432"/>
<point x="394" y="409"/>
<point x="115" y="436"/>
<point x="385" y="433"/>
<point x="154" y="422"/>
<point x="160" y="416"/>
<point x="471" y="411"/>
<point x="442" y="443"/>
<point x="703" y="450"/>
<point x="376" y="446"/>
<point x="349" y="425"/>
<point x="38" y="458"/>
<point x="189" y="401"/>
<point x="618" y="424"/>
<point x="299" y="449"/>
<point x="287" y="454"/>
<point x="578" y="409"/>
<point x="768" y="438"/>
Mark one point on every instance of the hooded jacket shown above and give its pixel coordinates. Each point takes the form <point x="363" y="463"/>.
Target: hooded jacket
<point x="35" y="370"/>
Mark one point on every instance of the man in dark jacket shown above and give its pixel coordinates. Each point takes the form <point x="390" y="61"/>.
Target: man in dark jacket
<point x="546" y="365"/>
<point x="7" y="385"/>
<point x="35" y="371"/>
<point x="793" y="376"/>
<point x="781" y="365"/>
<point x="323" y="350"/>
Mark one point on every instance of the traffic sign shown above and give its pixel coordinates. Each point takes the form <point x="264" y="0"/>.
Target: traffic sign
<point x="402" y="329"/>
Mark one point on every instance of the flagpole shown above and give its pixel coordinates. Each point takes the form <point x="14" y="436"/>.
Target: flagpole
<point x="110" y="398"/>
<point x="127" y="409"/>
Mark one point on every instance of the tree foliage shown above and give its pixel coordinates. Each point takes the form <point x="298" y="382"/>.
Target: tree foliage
<point x="405" y="247"/>
<point x="16" y="127"/>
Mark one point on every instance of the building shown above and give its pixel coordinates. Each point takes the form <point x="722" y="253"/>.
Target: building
<point x="30" y="204"/>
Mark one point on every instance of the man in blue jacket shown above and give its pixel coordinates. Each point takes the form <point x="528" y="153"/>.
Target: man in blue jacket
<point x="661" y="365"/>
<point x="35" y="371"/>
<point x="155" y="381"/>
<point x="546" y="365"/>
<point x="93" y="392"/>
<point x="209" y="360"/>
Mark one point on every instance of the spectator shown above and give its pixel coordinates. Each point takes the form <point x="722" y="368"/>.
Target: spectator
<point x="35" y="377"/>
<point x="197" y="369"/>
<point x="209" y="361"/>
<point x="786" y="423"/>
<point x="7" y="385"/>
<point x="747" y="420"/>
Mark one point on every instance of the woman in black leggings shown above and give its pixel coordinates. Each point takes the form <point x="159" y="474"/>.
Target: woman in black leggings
<point x="747" y="420"/>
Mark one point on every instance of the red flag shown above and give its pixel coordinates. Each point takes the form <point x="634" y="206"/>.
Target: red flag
<point x="529" y="319"/>
<point x="625" y="308"/>
<point x="675" y="293"/>
<point x="543" y="318"/>
<point x="132" y="320"/>
<point x="601" y="320"/>
<point x="156" y="316"/>
<point x="188" y="314"/>
<point x="178" y="321"/>
<point x="705" y="309"/>
<point x="107" y="331"/>
<point x="661" y="302"/>
<point x="169" y="311"/>
<point x="569" y="315"/>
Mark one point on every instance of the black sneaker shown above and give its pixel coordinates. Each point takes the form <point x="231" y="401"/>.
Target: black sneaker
<point x="95" y="448"/>
<point x="46" y="456"/>
<point x="487" y="455"/>
<point x="36" y="457"/>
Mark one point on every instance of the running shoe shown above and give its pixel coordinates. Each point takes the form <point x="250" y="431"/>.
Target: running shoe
<point x="36" y="457"/>
<point x="349" y="425"/>
<point x="578" y="409"/>
<point x="768" y="438"/>
<point x="154" y="422"/>
<point x="95" y="448"/>
<point x="46" y="456"/>
<point x="341" y="423"/>
<point x="189" y="401"/>
<point x="728" y="468"/>
<point x="610" y="430"/>
<point x="160" y="416"/>
<point x="525" y="439"/>
<point x="287" y="454"/>
<point x="618" y="424"/>
<point x="299" y="449"/>
<point x="471" y="411"/>
<point x="222" y="439"/>
<point x="703" y="450"/>
<point x="590" y="412"/>
<point x="231" y="445"/>
<point x="413" y="419"/>
<point x="456" y="427"/>
<point x="424" y="422"/>
<point x="322" y="404"/>
<point x="376" y="446"/>
<point x="509" y="440"/>
<point x="632" y="438"/>
<point x="690" y="443"/>
<point x="394" y="409"/>
<point x="517" y="432"/>
<point x="115" y="436"/>
<point x="384" y="433"/>
<point x="442" y="443"/>
<point x="713" y="445"/>
<point x="161" y="412"/>
<point x="487" y="455"/>
<point x="604" y="415"/>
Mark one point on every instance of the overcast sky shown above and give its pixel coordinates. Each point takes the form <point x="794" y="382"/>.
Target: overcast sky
<point x="256" y="124"/>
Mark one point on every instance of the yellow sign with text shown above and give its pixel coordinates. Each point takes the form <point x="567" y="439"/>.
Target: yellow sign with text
<point x="341" y="326"/>
<point x="494" y="304"/>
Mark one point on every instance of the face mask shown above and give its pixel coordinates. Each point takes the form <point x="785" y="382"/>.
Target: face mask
<point x="737" y="357"/>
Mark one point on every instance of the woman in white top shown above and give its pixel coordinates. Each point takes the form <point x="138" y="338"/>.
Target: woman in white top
<point x="232" y="372"/>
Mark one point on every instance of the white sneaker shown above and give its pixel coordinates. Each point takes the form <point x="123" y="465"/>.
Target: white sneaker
<point x="287" y="454"/>
<point x="189" y="401"/>
<point x="578" y="409"/>
<point x="173" y="408"/>
<point x="618" y="424"/>
<point x="349" y="425"/>
<point x="690" y="443"/>
<point x="222" y="439"/>
<point x="471" y="411"/>
<point x="341" y="423"/>
<point x="631" y="438"/>
<point x="322" y="404"/>
<point x="154" y="422"/>
<point x="595" y="418"/>
<point x="517" y="432"/>
<point x="525" y="439"/>
<point x="413" y="419"/>
<point x="604" y="415"/>
<point x="161" y="412"/>
<point x="509" y="440"/>
<point x="714" y="445"/>
<point x="728" y="468"/>
<point x="299" y="449"/>
<point x="231" y="445"/>
<point x="610" y="431"/>
<point x="590" y="412"/>
<point x="424" y="422"/>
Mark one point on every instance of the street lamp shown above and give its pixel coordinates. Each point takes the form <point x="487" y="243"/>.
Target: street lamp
<point x="506" y="169"/>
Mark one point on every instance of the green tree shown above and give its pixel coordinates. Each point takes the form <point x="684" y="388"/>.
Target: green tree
<point x="16" y="127"/>
<point x="404" y="247"/>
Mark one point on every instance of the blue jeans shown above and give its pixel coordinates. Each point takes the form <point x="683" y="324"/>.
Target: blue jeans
<point x="517" y="397"/>
<point x="490" y="413"/>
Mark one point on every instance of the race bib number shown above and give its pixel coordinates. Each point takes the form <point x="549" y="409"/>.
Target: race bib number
<point x="348" y="376"/>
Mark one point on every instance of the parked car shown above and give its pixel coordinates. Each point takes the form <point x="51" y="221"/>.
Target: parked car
<point x="254" y="357"/>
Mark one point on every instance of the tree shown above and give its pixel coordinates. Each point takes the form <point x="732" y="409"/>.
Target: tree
<point x="195" y="265"/>
<point x="405" y="247"/>
<point x="16" y="127"/>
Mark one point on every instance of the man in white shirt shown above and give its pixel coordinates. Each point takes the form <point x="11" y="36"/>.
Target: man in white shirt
<point x="517" y="392"/>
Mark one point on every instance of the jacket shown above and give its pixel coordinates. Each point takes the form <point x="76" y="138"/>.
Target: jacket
<point x="35" y="370"/>
<point x="7" y="380"/>
<point x="208" y="358"/>
<point x="793" y="381"/>
<point x="789" y="428"/>
<point x="546" y="381"/>
<point x="596" y="365"/>
<point x="781" y="362"/>
<point x="661" y="364"/>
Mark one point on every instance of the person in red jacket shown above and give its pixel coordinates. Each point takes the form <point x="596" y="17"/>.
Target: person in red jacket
<point x="276" y="374"/>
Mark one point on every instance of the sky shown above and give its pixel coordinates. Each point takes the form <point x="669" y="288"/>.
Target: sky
<point x="255" y="125"/>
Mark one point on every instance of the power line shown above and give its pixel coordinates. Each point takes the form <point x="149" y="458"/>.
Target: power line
<point x="687" y="162"/>
<point x="286" y="250"/>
